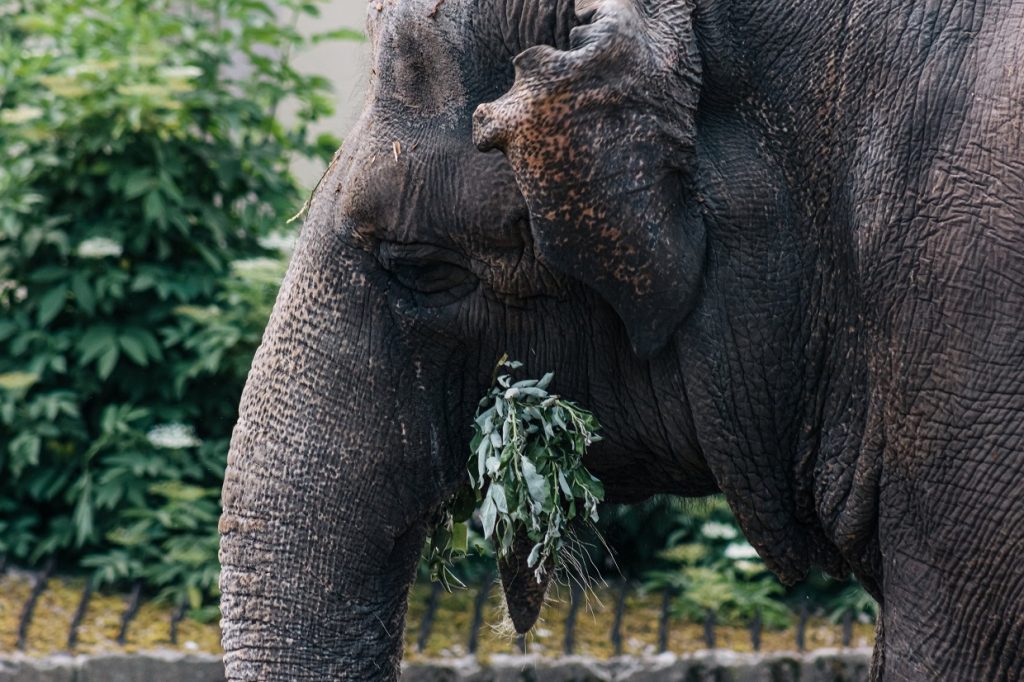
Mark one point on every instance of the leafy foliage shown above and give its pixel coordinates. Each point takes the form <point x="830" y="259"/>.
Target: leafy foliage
<point x="143" y="170"/>
<point x="711" y="567"/>
<point x="855" y="600"/>
<point x="707" y="565"/>
<point x="526" y="471"/>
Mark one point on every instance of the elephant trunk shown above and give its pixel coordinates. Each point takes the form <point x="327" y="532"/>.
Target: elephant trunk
<point x="327" y="486"/>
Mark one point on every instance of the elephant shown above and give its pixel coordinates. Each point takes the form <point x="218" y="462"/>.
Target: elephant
<point x="777" y="247"/>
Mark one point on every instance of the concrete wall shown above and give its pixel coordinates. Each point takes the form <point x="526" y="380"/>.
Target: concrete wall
<point x="345" y="63"/>
<point x="831" y="665"/>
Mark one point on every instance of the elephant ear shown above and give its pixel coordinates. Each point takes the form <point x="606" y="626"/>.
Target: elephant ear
<point x="601" y="138"/>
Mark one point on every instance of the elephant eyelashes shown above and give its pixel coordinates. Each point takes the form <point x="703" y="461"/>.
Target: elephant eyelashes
<point x="429" y="273"/>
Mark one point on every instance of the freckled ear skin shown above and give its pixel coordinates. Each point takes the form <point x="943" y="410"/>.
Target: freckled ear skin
<point x="602" y="142"/>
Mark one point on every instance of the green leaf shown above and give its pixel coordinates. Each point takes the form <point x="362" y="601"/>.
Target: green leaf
<point x="536" y="484"/>
<point x="488" y="516"/>
<point x="7" y="329"/>
<point x="497" y="493"/>
<point x="96" y="340"/>
<point x="460" y="537"/>
<point x="153" y="208"/>
<point x="83" y="292"/>
<point x="531" y="560"/>
<point x="25" y="449"/>
<point x="564" y="484"/>
<point x="50" y="304"/>
<point x="138" y="183"/>
<point x="592" y="484"/>
<point x="107" y="361"/>
<point x="134" y="349"/>
<point x="82" y="517"/>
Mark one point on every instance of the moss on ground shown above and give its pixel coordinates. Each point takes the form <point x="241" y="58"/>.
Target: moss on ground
<point x="150" y="629"/>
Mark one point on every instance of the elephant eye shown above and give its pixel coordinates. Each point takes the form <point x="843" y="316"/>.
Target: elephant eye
<point x="434" y="276"/>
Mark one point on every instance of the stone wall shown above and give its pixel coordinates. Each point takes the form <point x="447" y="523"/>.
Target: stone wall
<point x="826" y="665"/>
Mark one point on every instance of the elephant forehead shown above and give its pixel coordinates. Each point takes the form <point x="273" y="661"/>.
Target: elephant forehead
<point x="416" y="46"/>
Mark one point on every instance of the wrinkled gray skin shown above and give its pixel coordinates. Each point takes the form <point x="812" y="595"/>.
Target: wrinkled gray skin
<point x="777" y="247"/>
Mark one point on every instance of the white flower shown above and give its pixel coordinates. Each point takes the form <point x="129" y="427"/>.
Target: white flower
<point x="740" y="550"/>
<point x="181" y="72"/>
<point x="11" y="290"/>
<point x="22" y="114"/>
<point x="255" y="266"/>
<point x="173" y="436"/>
<point x="749" y="567"/>
<point x="716" y="530"/>
<point x="143" y="90"/>
<point x="283" y="243"/>
<point x="99" y="247"/>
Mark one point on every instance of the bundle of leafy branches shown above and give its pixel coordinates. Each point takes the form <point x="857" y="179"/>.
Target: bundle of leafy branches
<point x="526" y="474"/>
<point x="143" y="169"/>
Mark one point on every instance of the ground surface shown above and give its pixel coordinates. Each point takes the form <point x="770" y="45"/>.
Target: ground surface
<point x="150" y="628"/>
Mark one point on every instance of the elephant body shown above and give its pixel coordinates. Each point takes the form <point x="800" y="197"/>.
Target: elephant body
<point x="777" y="247"/>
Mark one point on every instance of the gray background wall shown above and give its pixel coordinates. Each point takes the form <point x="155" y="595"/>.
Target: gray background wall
<point x="345" y="63"/>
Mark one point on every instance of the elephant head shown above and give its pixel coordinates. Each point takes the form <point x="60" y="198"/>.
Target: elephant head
<point x="673" y="204"/>
<point x="418" y="266"/>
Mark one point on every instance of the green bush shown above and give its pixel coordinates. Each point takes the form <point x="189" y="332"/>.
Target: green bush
<point x="708" y="565"/>
<point x="143" y="172"/>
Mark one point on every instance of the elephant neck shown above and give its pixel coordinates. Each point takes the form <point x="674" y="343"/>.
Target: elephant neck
<point x="780" y="322"/>
<point x="792" y="78"/>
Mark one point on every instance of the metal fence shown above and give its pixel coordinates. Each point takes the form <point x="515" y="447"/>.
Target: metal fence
<point x="755" y="626"/>
<point x="39" y="581"/>
<point x="424" y="628"/>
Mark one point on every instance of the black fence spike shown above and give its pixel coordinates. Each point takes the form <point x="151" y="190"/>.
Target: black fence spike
<point x="620" y="608"/>
<point x="76" y="620"/>
<point x="39" y="584"/>
<point x="575" y="598"/>
<point x="130" y="610"/>
<point x="709" y="628"/>
<point x="663" y="620"/>
<point x="177" y="616"/>
<point x="847" y="627"/>
<point x="478" y="613"/>
<point x="521" y="643"/>
<point x="755" y="630"/>
<point x="427" y="624"/>
<point x="801" y="629"/>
